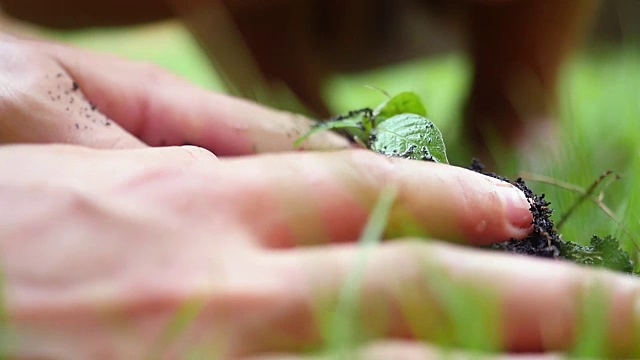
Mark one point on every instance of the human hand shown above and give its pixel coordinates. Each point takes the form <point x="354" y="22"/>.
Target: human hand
<point x="58" y="94"/>
<point x="171" y="252"/>
<point x="123" y="245"/>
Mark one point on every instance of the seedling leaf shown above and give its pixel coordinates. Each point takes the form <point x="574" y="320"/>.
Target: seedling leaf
<point x="603" y="252"/>
<point x="403" y="103"/>
<point x="398" y="127"/>
<point x="409" y="136"/>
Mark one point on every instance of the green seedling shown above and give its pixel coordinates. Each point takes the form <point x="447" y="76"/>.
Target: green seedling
<point x="398" y="127"/>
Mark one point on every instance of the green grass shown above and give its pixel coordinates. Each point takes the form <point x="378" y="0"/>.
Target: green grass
<point x="600" y="113"/>
<point x="600" y="118"/>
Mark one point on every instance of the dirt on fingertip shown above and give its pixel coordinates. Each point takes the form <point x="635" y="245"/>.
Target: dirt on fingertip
<point x="544" y="240"/>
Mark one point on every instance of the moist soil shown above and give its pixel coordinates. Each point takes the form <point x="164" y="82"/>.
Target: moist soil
<point x="544" y="241"/>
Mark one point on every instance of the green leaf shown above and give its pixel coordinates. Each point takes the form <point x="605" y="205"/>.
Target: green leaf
<point x="353" y="125"/>
<point x="409" y="136"/>
<point x="403" y="103"/>
<point x="603" y="252"/>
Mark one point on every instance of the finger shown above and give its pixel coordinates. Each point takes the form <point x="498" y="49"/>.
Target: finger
<point x="311" y="198"/>
<point x="41" y="104"/>
<point x="445" y="293"/>
<point x="405" y="350"/>
<point x="162" y="109"/>
<point x="109" y="169"/>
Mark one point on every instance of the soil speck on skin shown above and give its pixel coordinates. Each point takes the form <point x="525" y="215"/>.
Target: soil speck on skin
<point x="75" y="86"/>
<point x="59" y="75"/>
<point x="77" y="126"/>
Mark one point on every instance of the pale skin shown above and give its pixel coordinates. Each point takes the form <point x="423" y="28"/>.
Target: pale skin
<point x="105" y="238"/>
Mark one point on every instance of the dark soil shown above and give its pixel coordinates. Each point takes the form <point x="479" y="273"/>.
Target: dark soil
<point x="544" y="241"/>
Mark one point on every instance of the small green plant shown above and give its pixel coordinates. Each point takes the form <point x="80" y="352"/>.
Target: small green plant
<point x="398" y="127"/>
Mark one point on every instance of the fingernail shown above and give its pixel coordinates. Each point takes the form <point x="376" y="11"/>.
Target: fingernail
<point x="516" y="206"/>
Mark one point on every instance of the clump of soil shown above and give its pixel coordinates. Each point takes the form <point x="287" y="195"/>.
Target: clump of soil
<point x="544" y="241"/>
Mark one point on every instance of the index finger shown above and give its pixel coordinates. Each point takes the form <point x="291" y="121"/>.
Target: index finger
<point x="310" y="198"/>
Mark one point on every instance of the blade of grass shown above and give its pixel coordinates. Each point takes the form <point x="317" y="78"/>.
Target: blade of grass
<point x="591" y="337"/>
<point x="343" y="335"/>
<point x="585" y="194"/>
<point x="180" y="322"/>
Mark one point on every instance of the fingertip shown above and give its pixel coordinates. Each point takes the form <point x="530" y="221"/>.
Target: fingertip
<point x="443" y="201"/>
<point x="461" y="205"/>
<point x="516" y="208"/>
